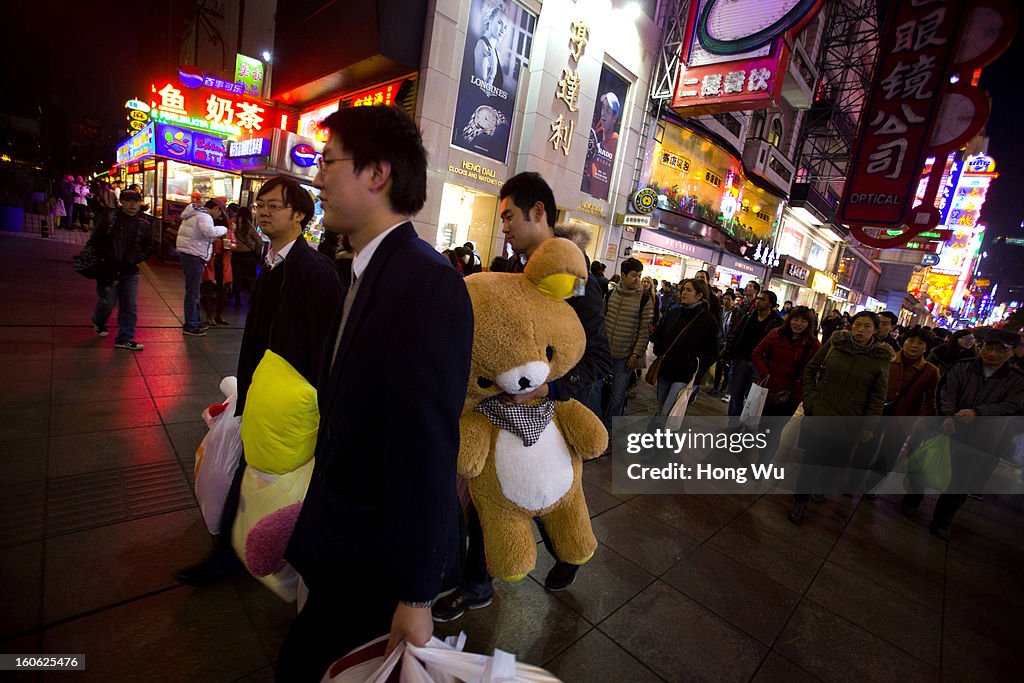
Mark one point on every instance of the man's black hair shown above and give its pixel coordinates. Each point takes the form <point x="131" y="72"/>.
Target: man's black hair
<point x="890" y="316"/>
<point x="631" y="265"/>
<point x="757" y="287"/>
<point x="865" y="314"/>
<point x="596" y="267"/>
<point x="294" y="196"/>
<point x="528" y="188"/>
<point x="385" y="134"/>
<point x="729" y="293"/>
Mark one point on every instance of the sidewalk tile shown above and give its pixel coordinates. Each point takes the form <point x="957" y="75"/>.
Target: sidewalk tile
<point x="681" y="640"/>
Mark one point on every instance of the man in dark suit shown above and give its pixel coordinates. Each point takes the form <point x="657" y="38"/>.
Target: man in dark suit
<point x="379" y="528"/>
<point x="292" y="304"/>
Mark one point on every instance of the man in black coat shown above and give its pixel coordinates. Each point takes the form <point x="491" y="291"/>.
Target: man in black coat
<point x="122" y="240"/>
<point x="293" y="302"/>
<point x="528" y="220"/>
<point x="379" y="528"/>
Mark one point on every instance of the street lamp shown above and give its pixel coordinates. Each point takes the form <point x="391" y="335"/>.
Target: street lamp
<point x="266" y="56"/>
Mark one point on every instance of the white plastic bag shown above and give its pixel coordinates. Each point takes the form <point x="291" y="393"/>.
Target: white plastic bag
<point x="753" y="405"/>
<point x="438" y="662"/>
<point x="678" y="410"/>
<point x="216" y="461"/>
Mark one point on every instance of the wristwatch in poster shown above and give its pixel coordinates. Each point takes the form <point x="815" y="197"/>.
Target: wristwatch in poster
<point x="485" y="119"/>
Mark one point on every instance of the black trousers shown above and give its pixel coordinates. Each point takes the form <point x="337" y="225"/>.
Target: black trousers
<point x="331" y="624"/>
<point x="477" y="582"/>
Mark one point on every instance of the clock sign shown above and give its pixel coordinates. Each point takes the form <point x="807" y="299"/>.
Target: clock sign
<point x="730" y="27"/>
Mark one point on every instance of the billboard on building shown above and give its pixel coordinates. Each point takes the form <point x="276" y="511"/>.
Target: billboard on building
<point x="734" y="54"/>
<point x="498" y="42"/>
<point x="604" y="133"/>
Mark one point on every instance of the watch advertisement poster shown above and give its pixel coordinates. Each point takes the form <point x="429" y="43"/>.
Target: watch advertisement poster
<point x="498" y="43"/>
<point x="604" y="134"/>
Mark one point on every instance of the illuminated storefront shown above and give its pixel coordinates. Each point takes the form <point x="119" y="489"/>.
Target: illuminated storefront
<point x="697" y="179"/>
<point x="666" y="257"/>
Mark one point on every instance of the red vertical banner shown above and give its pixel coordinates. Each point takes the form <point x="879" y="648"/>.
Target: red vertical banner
<point x="915" y="53"/>
<point x="922" y="102"/>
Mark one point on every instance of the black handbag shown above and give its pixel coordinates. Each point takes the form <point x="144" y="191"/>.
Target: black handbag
<point x="86" y="261"/>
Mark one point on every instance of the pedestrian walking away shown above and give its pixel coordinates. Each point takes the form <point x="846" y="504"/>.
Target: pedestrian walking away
<point x="122" y="240"/>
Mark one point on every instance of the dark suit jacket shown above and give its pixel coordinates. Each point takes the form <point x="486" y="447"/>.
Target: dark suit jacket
<point x="381" y="513"/>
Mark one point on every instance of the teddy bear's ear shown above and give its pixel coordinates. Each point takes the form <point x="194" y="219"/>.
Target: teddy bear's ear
<point x="557" y="268"/>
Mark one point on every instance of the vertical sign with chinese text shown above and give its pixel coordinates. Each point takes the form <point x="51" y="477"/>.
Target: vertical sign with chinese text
<point x="568" y="88"/>
<point x="915" y="53"/>
<point x="250" y="72"/>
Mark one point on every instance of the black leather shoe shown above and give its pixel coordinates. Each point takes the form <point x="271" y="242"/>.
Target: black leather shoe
<point x="561" y="576"/>
<point x="219" y="565"/>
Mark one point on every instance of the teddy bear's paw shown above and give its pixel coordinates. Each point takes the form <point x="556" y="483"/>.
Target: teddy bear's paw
<point x="515" y="578"/>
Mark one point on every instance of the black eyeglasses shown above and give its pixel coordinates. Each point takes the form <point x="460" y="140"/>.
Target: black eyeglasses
<point x="322" y="163"/>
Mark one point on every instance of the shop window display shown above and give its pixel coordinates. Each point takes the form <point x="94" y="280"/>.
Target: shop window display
<point x="468" y="215"/>
<point x="698" y="179"/>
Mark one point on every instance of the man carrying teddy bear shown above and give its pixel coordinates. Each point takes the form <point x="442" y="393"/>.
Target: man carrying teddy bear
<point x="528" y="220"/>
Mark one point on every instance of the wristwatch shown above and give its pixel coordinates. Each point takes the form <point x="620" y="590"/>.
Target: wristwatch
<point x="418" y="605"/>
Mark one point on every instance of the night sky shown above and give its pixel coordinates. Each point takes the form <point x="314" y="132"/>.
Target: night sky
<point x="89" y="57"/>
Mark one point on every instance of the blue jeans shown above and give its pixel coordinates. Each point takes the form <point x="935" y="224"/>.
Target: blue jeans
<point x="620" y="383"/>
<point x="742" y="377"/>
<point x="193" y="267"/>
<point x="125" y="294"/>
<point x="668" y="392"/>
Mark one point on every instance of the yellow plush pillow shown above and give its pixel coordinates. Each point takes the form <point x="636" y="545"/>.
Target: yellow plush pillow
<point x="280" y="418"/>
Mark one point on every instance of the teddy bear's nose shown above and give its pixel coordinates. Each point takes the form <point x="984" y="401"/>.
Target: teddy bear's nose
<point x="524" y="382"/>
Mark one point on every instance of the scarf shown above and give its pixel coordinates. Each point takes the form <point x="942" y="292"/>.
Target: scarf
<point x="524" y="420"/>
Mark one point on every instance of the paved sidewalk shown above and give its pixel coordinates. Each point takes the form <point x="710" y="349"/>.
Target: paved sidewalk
<point x="97" y="450"/>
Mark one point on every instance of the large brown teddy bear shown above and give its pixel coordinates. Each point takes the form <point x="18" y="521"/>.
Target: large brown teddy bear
<point x="527" y="461"/>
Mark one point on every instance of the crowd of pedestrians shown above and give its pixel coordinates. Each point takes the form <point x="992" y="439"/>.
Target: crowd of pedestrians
<point x="381" y="513"/>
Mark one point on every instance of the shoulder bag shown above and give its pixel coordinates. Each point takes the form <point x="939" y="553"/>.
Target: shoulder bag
<point x="652" y="372"/>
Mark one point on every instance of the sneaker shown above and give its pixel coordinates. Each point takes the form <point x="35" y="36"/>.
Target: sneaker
<point x="455" y="604"/>
<point x="100" y="331"/>
<point x="561" y="576"/>
<point x="976" y="496"/>
<point x="197" y="332"/>
<point x="130" y="345"/>
<point x="220" y="320"/>
<point x="726" y="398"/>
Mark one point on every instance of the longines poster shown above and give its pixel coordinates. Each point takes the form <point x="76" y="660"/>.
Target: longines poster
<point x="498" y="43"/>
<point x="604" y="134"/>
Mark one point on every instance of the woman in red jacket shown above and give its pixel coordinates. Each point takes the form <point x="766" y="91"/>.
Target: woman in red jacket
<point x="781" y="357"/>
<point x="216" y="286"/>
<point x="779" y="360"/>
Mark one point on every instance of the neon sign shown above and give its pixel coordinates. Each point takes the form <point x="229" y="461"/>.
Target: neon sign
<point x="304" y="155"/>
<point x="137" y="146"/>
<point x="190" y="146"/>
<point x="253" y="147"/>
<point x="210" y="111"/>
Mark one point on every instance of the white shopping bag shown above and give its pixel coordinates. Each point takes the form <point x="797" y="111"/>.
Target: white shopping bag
<point x="216" y="461"/>
<point x="438" y="662"/>
<point x="677" y="412"/>
<point x="753" y="405"/>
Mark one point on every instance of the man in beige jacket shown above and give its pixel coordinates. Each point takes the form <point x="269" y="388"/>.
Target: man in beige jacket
<point x="627" y="317"/>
